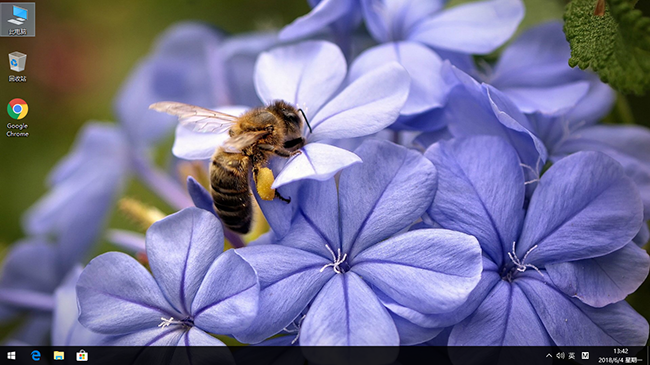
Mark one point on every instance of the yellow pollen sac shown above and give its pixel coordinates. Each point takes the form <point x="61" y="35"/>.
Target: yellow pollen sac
<point x="264" y="181"/>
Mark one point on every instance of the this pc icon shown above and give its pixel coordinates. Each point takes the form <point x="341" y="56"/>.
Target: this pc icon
<point x="20" y="14"/>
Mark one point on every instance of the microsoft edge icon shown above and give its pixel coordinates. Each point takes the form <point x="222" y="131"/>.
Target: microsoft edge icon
<point x="36" y="355"/>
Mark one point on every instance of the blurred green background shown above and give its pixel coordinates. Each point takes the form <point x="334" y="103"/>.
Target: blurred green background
<point x="83" y="52"/>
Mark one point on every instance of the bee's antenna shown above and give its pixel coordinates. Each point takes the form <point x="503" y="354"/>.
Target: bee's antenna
<point x="305" y="118"/>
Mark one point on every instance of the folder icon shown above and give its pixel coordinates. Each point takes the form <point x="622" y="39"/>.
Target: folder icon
<point x="58" y="355"/>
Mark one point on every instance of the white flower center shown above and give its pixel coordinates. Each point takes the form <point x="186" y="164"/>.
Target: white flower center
<point x="520" y="265"/>
<point x="337" y="260"/>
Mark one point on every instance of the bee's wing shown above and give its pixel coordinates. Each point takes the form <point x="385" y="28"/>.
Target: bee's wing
<point x="237" y="143"/>
<point x="198" y="119"/>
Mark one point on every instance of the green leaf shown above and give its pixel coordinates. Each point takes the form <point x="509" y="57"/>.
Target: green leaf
<point x="615" y="45"/>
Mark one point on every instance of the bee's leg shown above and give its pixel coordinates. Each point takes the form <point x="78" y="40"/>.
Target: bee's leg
<point x="256" y="170"/>
<point x="286" y="200"/>
<point x="283" y="152"/>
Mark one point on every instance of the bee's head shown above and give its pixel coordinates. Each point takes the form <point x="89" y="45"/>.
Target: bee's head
<point x="289" y="114"/>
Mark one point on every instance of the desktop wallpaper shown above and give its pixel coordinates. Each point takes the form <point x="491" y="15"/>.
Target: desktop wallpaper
<point x="441" y="176"/>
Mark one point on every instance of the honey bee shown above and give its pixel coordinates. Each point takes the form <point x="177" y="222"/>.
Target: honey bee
<point x="255" y="136"/>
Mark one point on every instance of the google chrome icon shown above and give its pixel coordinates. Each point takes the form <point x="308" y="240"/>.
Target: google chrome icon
<point x="17" y="108"/>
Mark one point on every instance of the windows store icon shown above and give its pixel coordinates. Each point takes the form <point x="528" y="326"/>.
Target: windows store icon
<point x="82" y="355"/>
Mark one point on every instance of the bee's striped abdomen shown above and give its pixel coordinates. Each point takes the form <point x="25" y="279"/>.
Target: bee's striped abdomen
<point x="229" y="183"/>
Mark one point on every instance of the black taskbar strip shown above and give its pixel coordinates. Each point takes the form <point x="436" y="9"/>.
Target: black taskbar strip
<point x="295" y="355"/>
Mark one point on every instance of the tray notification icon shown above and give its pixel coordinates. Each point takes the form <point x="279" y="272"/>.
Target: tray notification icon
<point x="17" y="61"/>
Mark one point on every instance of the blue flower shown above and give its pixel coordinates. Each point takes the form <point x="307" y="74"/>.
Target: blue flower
<point x="84" y="186"/>
<point x="627" y="144"/>
<point x="195" y="287"/>
<point x="480" y="109"/>
<point x="343" y="252"/>
<point x="339" y="17"/>
<point x="534" y="73"/>
<point x="309" y="75"/>
<point x="408" y="30"/>
<point x="554" y="273"/>
<point x="180" y="68"/>
<point x="66" y="329"/>
<point x="25" y="290"/>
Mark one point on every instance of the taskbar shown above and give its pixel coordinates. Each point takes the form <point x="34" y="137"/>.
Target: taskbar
<point x="299" y="355"/>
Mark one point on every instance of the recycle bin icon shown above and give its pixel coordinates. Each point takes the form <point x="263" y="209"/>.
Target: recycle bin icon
<point x="17" y="61"/>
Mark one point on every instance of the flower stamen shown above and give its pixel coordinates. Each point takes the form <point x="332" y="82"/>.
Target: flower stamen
<point x="338" y="260"/>
<point x="521" y="265"/>
<point x="167" y="322"/>
<point x="534" y="171"/>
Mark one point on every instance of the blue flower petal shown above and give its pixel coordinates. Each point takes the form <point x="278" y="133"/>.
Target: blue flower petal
<point x="428" y="88"/>
<point x="595" y="105"/>
<point x="18" y="267"/>
<point x="289" y="279"/>
<point x="85" y="185"/>
<point x="480" y="191"/>
<point x="317" y="161"/>
<point x="322" y="15"/>
<point x="304" y="74"/>
<point x="643" y="236"/>
<point x="66" y="329"/>
<point x="130" y="241"/>
<point x="538" y="57"/>
<point x="489" y="278"/>
<point x="475" y="109"/>
<point x="390" y="20"/>
<point x="583" y="207"/>
<point x="412" y="334"/>
<point x="196" y="337"/>
<point x="387" y="192"/>
<point x="180" y="69"/>
<point x="441" y="268"/>
<point x="479" y="27"/>
<point x="549" y="100"/>
<point x="505" y="318"/>
<point x="201" y="197"/>
<point x="240" y="52"/>
<point x="117" y="295"/>
<point x="315" y="223"/>
<point x="366" y="106"/>
<point x="181" y="248"/>
<point x="227" y="300"/>
<point x="32" y="332"/>
<point x="569" y="322"/>
<point x="629" y="145"/>
<point x="346" y="312"/>
<point x="154" y="336"/>
<point x="602" y="280"/>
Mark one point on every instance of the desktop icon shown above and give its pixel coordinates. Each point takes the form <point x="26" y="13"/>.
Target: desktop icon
<point x="17" y="108"/>
<point x="82" y="355"/>
<point x="59" y="355"/>
<point x="17" y="61"/>
<point x="11" y="355"/>
<point x="20" y="14"/>
<point x="17" y="19"/>
<point x="36" y="355"/>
